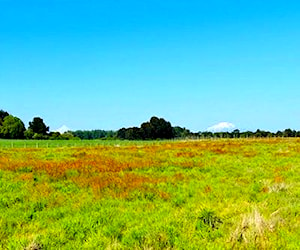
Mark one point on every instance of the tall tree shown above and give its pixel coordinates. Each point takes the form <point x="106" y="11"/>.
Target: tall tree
<point x="3" y="114"/>
<point x="12" y="128"/>
<point x="157" y="128"/>
<point x="235" y="133"/>
<point x="147" y="131"/>
<point x="289" y="133"/>
<point x="38" y="126"/>
<point x="181" y="132"/>
<point x="161" y="128"/>
<point x="121" y="134"/>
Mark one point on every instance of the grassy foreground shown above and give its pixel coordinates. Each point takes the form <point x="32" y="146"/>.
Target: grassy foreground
<point x="220" y="194"/>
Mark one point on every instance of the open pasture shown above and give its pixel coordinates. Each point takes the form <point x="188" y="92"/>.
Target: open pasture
<point x="206" y="194"/>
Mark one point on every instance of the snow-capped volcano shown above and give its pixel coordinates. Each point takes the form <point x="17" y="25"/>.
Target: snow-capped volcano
<point x="62" y="129"/>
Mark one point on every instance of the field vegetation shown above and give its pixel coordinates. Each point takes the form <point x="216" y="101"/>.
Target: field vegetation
<point x="201" y="194"/>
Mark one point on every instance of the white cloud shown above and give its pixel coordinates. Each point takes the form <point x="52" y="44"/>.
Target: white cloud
<point x="62" y="129"/>
<point x="222" y="127"/>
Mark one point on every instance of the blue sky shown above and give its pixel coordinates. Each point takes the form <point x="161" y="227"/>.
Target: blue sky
<point x="112" y="64"/>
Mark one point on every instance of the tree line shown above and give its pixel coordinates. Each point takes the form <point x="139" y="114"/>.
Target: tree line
<point x="12" y="127"/>
<point x="158" y="128"/>
<point x="93" y="134"/>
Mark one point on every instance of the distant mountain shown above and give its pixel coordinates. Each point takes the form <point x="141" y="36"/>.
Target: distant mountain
<point x="222" y="127"/>
<point x="63" y="129"/>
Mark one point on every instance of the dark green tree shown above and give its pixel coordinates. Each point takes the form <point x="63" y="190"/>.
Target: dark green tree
<point x="28" y="134"/>
<point x="38" y="126"/>
<point x="133" y="133"/>
<point x="158" y="128"/>
<point x="147" y="131"/>
<point x="54" y="136"/>
<point x="206" y="134"/>
<point x="235" y="133"/>
<point x="12" y="128"/>
<point x="164" y="130"/>
<point x="121" y="133"/>
<point x="3" y="114"/>
<point x="289" y="133"/>
<point x="246" y="134"/>
<point x="262" y="133"/>
<point x="94" y="134"/>
<point x="181" y="132"/>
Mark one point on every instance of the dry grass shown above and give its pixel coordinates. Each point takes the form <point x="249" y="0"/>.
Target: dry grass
<point x="253" y="229"/>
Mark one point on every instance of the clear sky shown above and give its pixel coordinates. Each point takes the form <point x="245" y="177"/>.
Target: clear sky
<point x="114" y="63"/>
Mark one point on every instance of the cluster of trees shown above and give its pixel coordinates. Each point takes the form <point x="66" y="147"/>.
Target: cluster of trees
<point x="249" y="134"/>
<point x="93" y="134"/>
<point x="156" y="128"/>
<point x="12" y="127"/>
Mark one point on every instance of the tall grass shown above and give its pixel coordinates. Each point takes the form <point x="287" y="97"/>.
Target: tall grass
<point x="213" y="194"/>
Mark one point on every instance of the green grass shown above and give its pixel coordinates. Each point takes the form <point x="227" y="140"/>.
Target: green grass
<point x="224" y="194"/>
<point x="4" y="143"/>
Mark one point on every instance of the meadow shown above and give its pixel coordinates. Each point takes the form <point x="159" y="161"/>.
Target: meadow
<point x="198" y="194"/>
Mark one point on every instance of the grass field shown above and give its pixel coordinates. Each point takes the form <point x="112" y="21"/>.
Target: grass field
<point x="206" y="194"/>
<point x="68" y="143"/>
